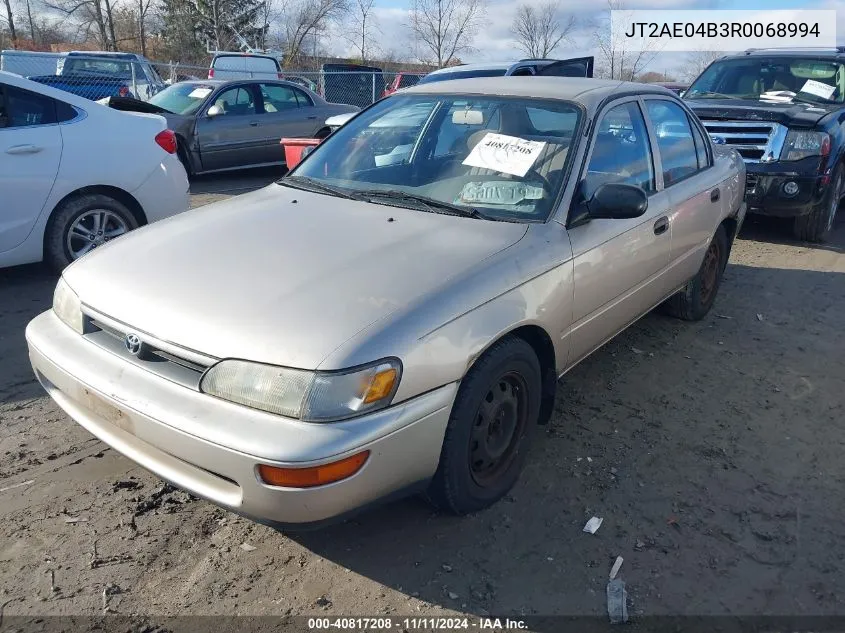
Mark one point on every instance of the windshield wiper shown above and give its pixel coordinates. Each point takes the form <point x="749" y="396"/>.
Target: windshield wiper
<point x="431" y="204"/>
<point x="304" y="183"/>
<point x="706" y="94"/>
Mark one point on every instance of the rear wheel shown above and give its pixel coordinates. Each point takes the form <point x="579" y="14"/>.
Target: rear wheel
<point x="817" y="225"/>
<point x="82" y="224"/>
<point x="694" y="301"/>
<point x="488" y="434"/>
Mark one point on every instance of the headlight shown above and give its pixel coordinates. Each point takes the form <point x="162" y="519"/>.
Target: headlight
<point x="307" y="395"/>
<point x="803" y="143"/>
<point x="67" y="306"/>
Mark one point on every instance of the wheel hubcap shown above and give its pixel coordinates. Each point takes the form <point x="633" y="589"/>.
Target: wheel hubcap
<point x="92" y="229"/>
<point x="498" y="426"/>
<point x="710" y="272"/>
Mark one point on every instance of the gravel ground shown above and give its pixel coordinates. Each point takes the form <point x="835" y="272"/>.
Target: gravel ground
<point x="712" y="450"/>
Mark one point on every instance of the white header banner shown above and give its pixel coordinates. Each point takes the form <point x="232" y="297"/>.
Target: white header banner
<point x="728" y="31"/>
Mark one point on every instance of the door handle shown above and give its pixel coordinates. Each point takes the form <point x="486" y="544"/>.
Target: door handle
<point x="253" y="123"/>
<point x="714" y="195"/>
<point x="24" y="149"/>
<point x="661" y="225"/>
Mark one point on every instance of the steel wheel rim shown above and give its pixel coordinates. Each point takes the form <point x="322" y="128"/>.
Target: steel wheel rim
<point x="93" y="228"/>
<point x="834" y="203"/>
<point x="709" y="272"/>
<point x="497" y="427"/>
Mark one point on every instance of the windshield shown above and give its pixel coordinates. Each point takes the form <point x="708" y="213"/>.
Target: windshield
<point x="498" y="157"/>
<point x="463" y="74"/>
<point x="183" y="98"/>
<point x="775" y="78"/>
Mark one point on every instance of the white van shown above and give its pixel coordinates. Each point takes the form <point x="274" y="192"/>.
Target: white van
<point x="244" y="66"/>
<point x="29" y="63"/>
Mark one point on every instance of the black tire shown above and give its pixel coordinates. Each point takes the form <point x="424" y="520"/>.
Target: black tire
<point x="57" y="252"/>
<point x="182" y="155"/>
<point x="694" y="301"/>
<point x="505" y="380"/>
<point x="816" y="226"/>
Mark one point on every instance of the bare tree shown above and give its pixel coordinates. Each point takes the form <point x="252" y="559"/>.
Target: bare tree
<point x="696" y="62"/>
<point x="10" y="19"/>
<point x="304" y="19"/>
<point x="443" y="29"/>
<point x="618" y="60"/>
<point x="538" y="31"/>
<point x="362" y="29"/>
<point x="89" y="19"/>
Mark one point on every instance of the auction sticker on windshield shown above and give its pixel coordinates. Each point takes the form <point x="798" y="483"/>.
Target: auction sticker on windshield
<point x="200" y="93"/>
<point x="819" y="89"/>
<point x="505" y="154"/>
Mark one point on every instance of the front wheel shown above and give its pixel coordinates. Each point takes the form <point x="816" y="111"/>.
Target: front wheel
<point x="817" y="225"/>
<point x="487" y="438"/>
<point x="694" y="301"/>
<point x="82" y="224"/>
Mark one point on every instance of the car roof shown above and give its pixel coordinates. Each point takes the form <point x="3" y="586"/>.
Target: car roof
<point x="580" y="89"/>
<point x="106" y="54"/>
<point x="488" y="66"/>
<point x="239" y="54"/>
<point x="836" y="53"/>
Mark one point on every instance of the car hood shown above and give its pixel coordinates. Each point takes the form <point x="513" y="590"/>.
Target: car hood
<point x="280" y="276"/>
<point x="789" y="114"/>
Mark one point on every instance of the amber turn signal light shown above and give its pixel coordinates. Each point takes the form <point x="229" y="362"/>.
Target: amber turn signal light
<point x="314" y="475"/>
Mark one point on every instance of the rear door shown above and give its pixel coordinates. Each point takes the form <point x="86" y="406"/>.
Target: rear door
<point x="288" y="113"/>
<point x="575" y="67"/>
<point x="229" y="67"/>
<point x="30" y="153"/>
<point x="233" y="138"/>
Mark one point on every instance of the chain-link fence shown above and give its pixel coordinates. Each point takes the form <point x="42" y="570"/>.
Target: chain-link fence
<point x="99" y="75"/>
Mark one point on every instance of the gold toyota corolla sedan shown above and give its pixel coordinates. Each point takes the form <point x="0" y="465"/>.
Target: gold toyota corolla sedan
<point x="393" y="315"/>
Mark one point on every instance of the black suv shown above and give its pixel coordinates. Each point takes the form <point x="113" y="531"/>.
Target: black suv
<point x="783" y="111"/>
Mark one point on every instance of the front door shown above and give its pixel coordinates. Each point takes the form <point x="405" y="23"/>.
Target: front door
<point x="618" y="264"/>
<point x="30" y="152"/>
<point x="232" y="138"/>
<point x="288" y="113"/>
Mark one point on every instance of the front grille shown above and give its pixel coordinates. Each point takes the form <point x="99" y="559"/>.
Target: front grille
<point x="164" y="359"/>
<point x="750" y="184"/>
<point x="756" y="141"/>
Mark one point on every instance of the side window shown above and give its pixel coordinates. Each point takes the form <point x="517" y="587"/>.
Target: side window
<point x="621" y="153"/>
<point x="303" y="99"/>
<point x="700" y="147"/>
<point x="278" y="98"/>
<point x="674" y="140"/>
<point x="21" y="108"/>
<point x="237" y="101"/>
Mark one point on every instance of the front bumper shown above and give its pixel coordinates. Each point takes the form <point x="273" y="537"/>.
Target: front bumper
<point x="145" y="417"/>
<point x="765" y="194"/>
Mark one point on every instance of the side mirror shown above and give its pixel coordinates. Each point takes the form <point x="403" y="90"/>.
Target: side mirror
<point x="214" y="111"/>
<point x="616" y="201"/>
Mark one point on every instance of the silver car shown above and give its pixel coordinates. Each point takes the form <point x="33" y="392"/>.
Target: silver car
<point x="370" y="327"/>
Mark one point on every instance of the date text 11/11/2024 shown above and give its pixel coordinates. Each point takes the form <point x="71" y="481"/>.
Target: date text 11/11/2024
<point x="417" y="623"/>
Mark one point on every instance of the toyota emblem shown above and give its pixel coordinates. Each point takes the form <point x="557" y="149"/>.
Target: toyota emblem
<point x="133" y="344"/>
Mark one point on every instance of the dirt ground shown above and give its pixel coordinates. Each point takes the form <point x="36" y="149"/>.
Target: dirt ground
<point x="712" y="450"/>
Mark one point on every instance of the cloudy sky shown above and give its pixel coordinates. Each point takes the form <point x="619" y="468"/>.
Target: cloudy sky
<point x="495" y="43"/>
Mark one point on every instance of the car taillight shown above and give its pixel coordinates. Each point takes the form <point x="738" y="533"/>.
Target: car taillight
<point x="166" y="139"/>
<point x="123" y="91"/>
<point x="211" y="73"/>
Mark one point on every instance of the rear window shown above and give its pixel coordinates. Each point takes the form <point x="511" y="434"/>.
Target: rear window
<point x="246" y="63"/>
<point x="91" y="66"/>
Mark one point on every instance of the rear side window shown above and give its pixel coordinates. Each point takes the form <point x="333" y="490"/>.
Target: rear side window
<point x="674" y="140"/>
<point x="700" y="147"/>
<point x="21" y="108"/>
<point x="278" y="98"/>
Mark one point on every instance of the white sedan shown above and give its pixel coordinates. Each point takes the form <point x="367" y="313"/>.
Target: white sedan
<point x="75" y="174"/>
